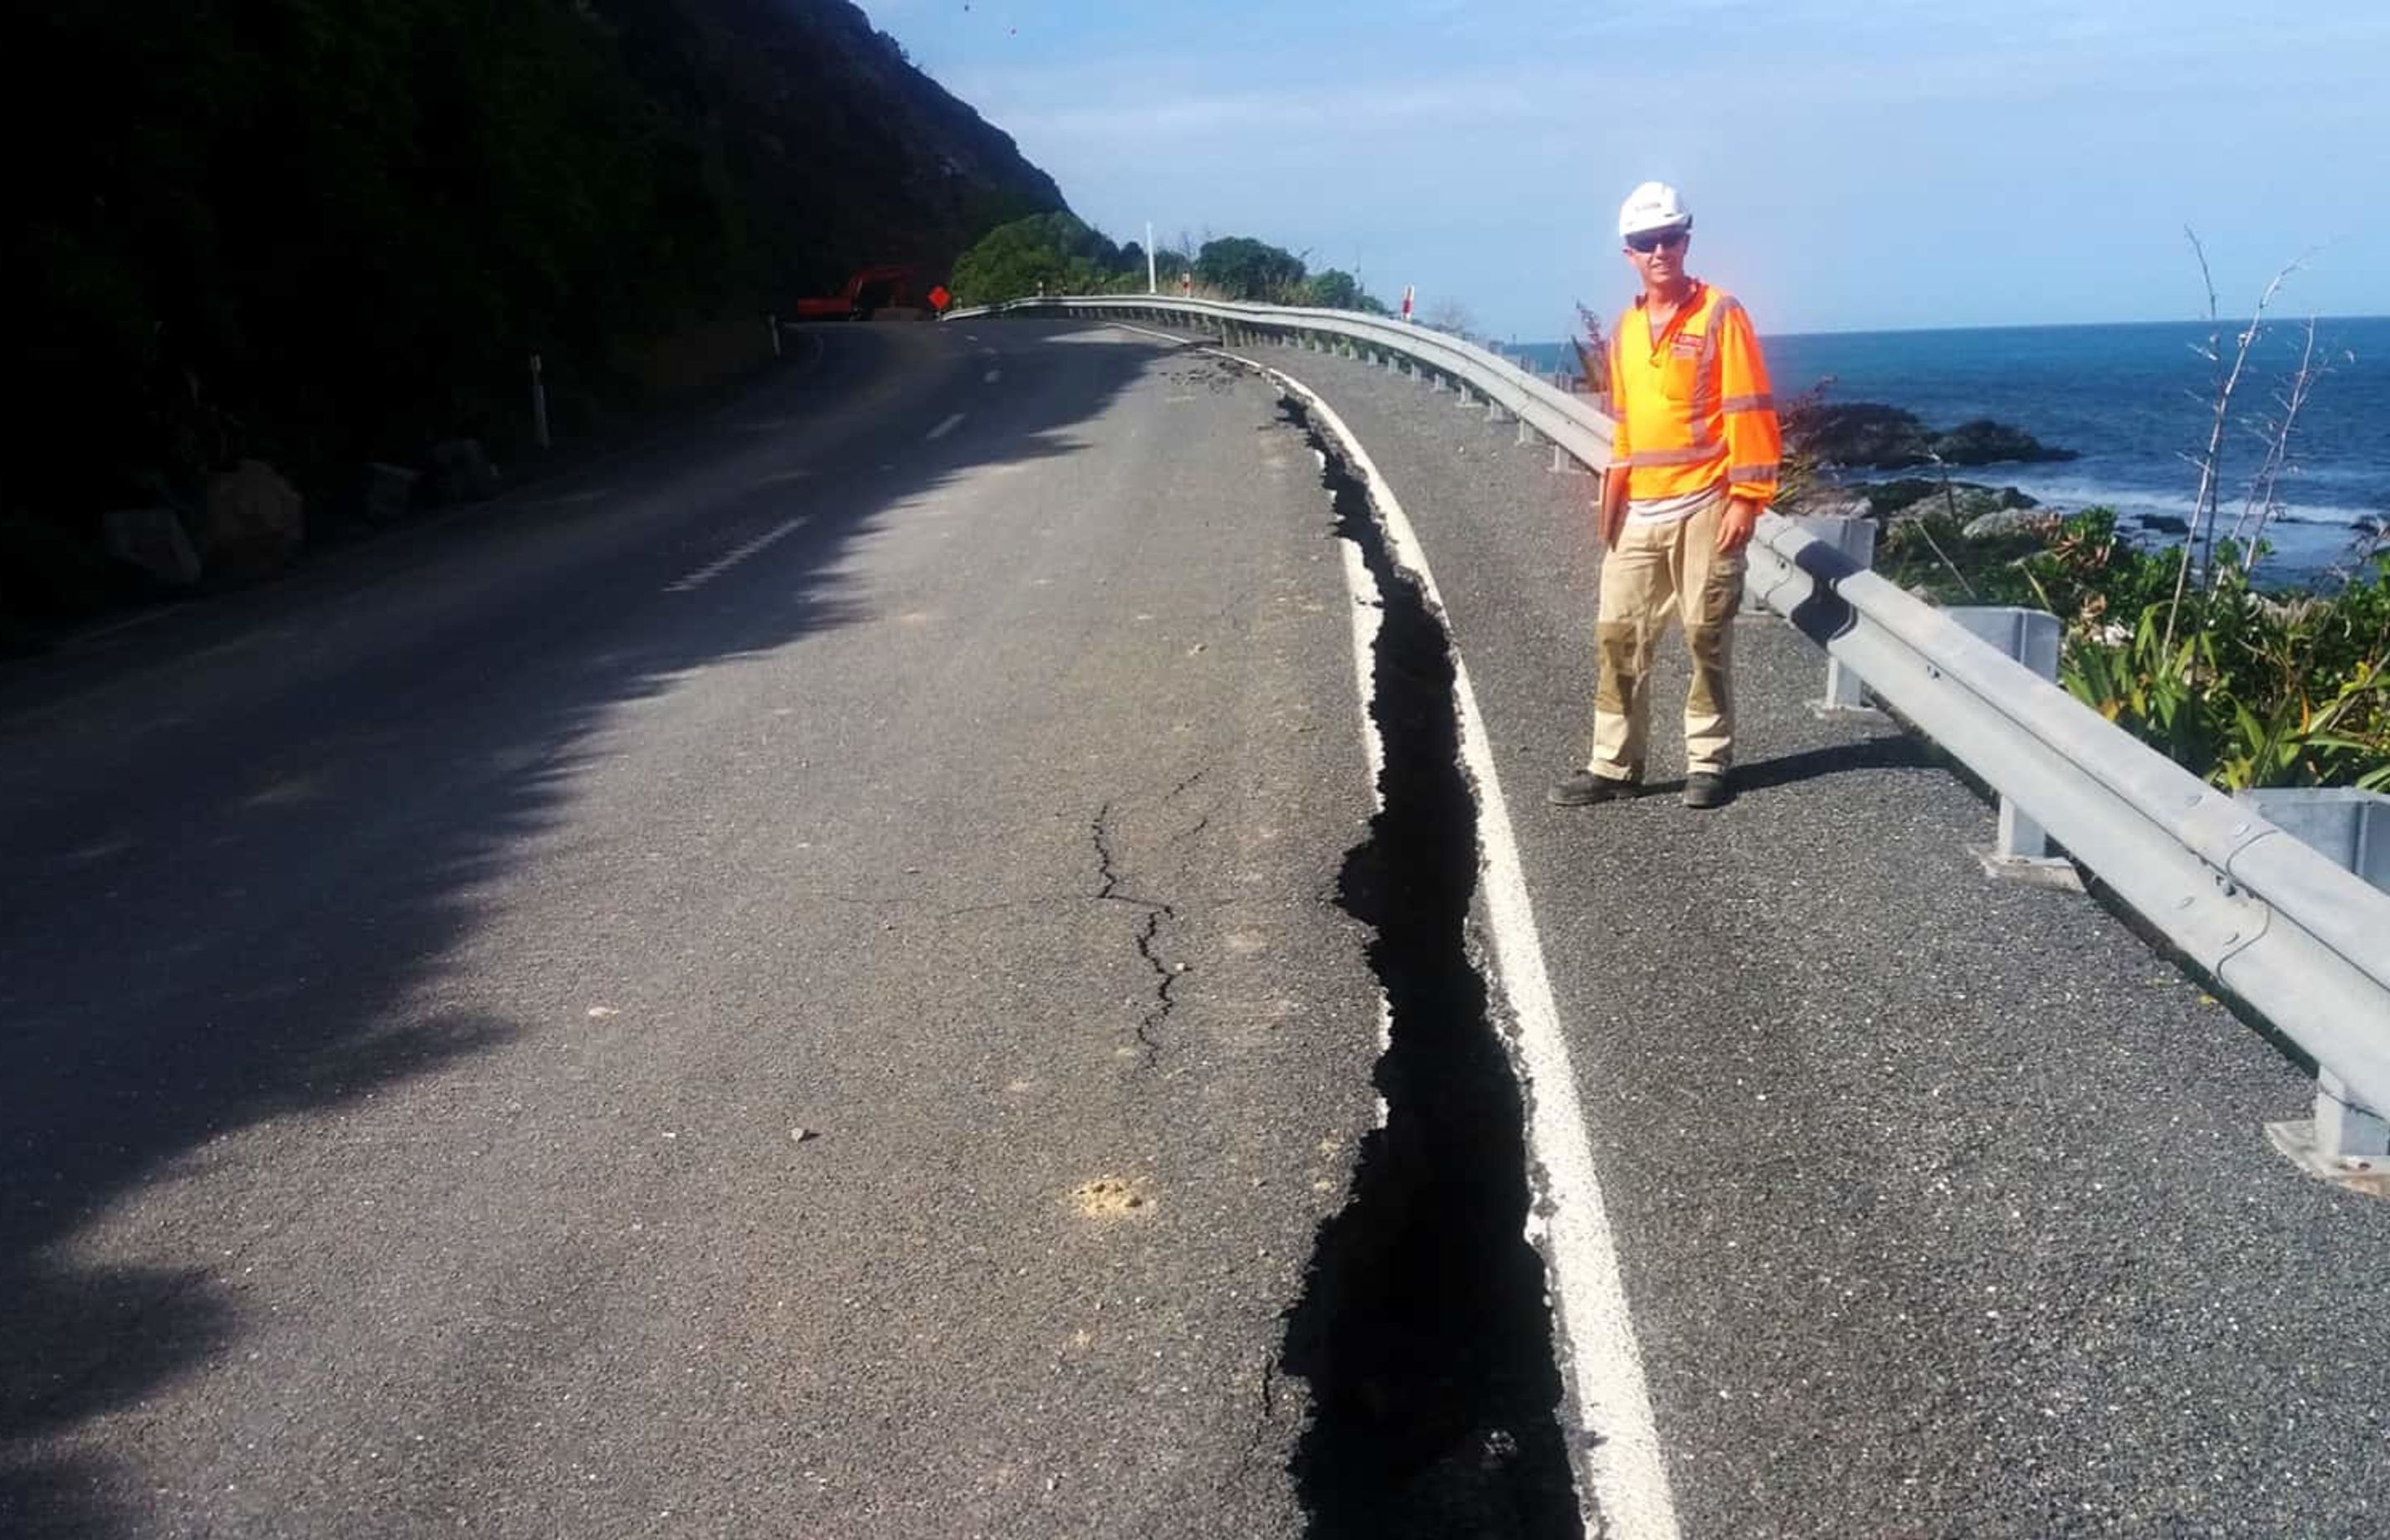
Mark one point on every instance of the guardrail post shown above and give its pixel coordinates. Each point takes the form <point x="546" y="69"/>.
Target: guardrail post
<point x="2343" y="1127"/>
<point x="538" y="405"/>
<point x="2030" y="637"/>
<point x="2351" y="828"/>
<point x="1856" y="539"/>
<point x="1526" y="434"/>
<point x="2345" y="1141"/>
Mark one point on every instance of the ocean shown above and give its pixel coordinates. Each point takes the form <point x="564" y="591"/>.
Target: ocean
<point x="2134" y="401"/>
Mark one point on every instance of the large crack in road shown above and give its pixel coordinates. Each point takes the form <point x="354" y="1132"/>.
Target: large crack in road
<point x="1157" y="1013"/>
<point x="1424" y="1331"/>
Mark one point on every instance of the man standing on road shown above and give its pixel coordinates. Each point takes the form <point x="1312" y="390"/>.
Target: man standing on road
<point x="1692" y="464"/>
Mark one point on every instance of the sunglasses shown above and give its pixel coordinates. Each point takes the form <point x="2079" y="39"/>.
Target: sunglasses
<point x="1651" y="240"/>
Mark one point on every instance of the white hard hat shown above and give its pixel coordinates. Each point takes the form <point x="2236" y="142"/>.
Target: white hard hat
<point x="1653" y="206"/>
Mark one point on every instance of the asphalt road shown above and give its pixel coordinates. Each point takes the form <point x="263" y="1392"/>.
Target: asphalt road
<point x="822" y="977"/>
<point x="1943" y="1205"/>
<point x="787" y="985"/>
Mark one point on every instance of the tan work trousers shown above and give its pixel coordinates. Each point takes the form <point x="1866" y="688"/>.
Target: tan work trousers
<point x="1663" y="570"/>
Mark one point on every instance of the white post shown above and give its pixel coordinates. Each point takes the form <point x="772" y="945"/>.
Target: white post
<point x="538" y="405"/>
<point x="772" y="323"/>
<point x="1153" y="285"/>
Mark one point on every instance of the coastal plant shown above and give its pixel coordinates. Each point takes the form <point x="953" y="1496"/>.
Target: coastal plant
<point x="2143" y="682"/>
<point x="2229" y="365"/>
<point x="1802" y="473"/>
<point x="2252" y="690"/>
<point x="1592" y="352"/>
<point x="2262" y="500"/>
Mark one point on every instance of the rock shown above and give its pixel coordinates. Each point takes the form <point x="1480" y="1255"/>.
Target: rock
<point x="1827" y="502"/>
<point x="2003" y="523"/>
<point x="1918" y="496"/>
<point x="2165" y="523"/>
<point x="1872" y="435"/>
<point x="1984" y="442"/>
<point x="461" y="472"/>
<point x="1860" y="433"/>
<point x="387" y="493"/>
<point x="251" y="518"/>
<point x="155" y="541"/>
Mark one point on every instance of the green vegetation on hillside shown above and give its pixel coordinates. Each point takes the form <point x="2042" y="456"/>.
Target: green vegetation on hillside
<point x="1057" y="254"/>
<point x="324" y="232"/>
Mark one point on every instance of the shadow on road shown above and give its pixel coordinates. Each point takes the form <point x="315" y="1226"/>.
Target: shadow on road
<point x="216" y="918"/>
<point x="1891" y="751"/>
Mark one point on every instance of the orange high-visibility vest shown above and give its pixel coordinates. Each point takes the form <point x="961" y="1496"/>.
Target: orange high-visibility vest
<point x="1693" y="406"/>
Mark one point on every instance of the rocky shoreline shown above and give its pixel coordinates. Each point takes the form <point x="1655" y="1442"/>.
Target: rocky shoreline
<point x="1839" y="438"/>
<point x="1868" y="435"/>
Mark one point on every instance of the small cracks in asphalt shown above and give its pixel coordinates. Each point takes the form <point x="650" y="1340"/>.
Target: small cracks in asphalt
<point x="1423" y="1329"/>
<point x="1157" y="1013"/>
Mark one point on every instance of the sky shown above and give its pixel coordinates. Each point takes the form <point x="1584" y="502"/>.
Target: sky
<point x="1850" y="165"/>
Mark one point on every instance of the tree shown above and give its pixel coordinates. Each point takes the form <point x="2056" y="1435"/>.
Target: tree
<point x="1243" y="268"/>
<point x="1054" y="254"/>
<point x="1337" y="289"/>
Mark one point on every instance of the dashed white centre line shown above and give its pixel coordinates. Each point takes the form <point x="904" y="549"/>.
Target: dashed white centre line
<point x="947" y="427"/>
<point x="733" y="556"/>
<point x="994" y="375"/>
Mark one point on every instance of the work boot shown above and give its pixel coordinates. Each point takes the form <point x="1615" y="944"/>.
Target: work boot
<point x="1585" y="789"/>
<point x="1704" y="789"/>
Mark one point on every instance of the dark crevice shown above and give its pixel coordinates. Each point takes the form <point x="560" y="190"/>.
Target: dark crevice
<point x="1157" y="1013"/>
<point x="1264" y="1414"/>
<point x="1423" y="1331"/>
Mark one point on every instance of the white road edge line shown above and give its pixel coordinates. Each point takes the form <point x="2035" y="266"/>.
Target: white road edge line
<point x="947" y="427"/>
<point x="1368" y="618"/>
<point x="732" y="558"/>
<point x="1626" y="1469"/>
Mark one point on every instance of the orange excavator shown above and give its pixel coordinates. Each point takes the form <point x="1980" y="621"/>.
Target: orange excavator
<point x="887" y="286"/>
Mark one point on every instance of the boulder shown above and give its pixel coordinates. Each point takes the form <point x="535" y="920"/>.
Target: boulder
<point x="2165" y="523"/>
<point x="1871" y="435"/>
<point x="1862" y="433"/>
<point x="154" y="540"/>
<point x="1918" y="497"/>
<point x="2001" y="523"/>
<point x="1835" y="505"/>
<point x="461" y="472"/>
<point x="251" y="518"/>
<point x="1984" y="442"/>
<point x="386" y="492"/>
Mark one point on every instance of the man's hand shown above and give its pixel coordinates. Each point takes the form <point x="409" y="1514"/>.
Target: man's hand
<point x="1741" y="516"/>
<point x="1610" y="512"/>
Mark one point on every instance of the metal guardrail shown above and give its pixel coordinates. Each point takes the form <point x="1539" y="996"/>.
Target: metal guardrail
<point x="2302" y="942"/>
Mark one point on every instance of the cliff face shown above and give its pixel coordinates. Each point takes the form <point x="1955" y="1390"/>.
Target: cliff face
<point x="328" y="232"/>
<point x="851" y="153"/>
